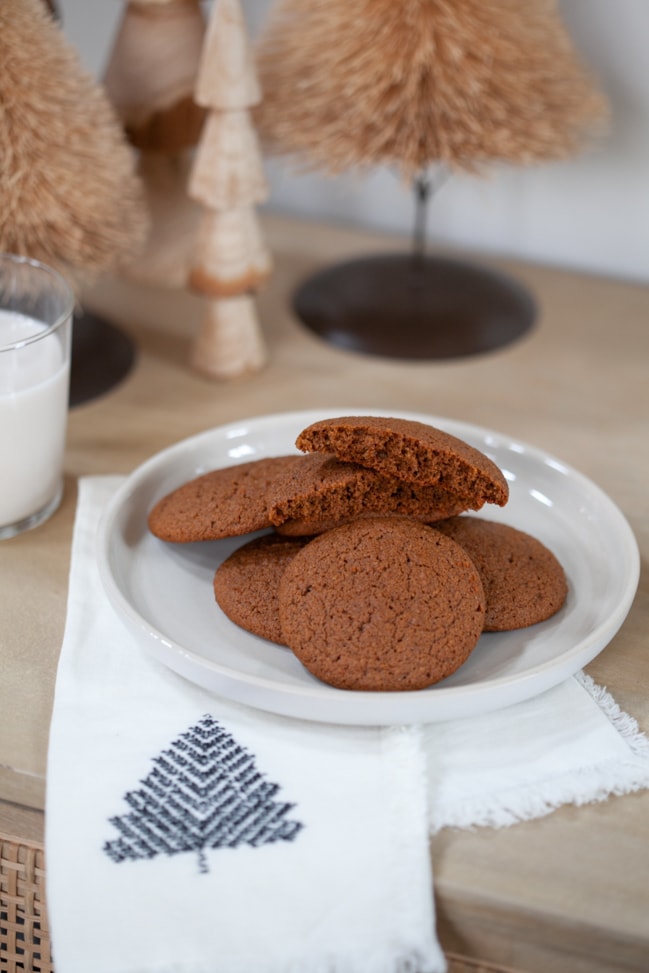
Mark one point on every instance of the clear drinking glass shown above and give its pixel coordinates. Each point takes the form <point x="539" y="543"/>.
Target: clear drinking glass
<point x="36" y="306"/>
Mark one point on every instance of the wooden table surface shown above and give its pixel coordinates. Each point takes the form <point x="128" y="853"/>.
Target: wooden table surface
<point x="568" y="893"/>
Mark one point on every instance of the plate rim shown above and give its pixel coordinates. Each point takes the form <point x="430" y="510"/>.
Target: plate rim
<point x="169" y="650"/>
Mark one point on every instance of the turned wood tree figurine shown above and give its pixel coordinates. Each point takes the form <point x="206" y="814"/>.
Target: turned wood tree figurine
<point x="230" y="260"/>
<point x="150" y="79"/>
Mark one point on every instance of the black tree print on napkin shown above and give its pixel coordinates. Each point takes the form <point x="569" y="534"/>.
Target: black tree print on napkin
<point x="204" y="792"/>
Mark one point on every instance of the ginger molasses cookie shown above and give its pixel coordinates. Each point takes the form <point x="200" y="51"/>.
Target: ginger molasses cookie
<point x="381" y="604"/>
<point x="320" y="486"/>
<point x="524" y="582"/>
<point x="312" y="526"/>
<point x="321" y="491"/>
<point x="411" y="451"/>
<point x="226" y="502"/>
<point x="246" y="584"/>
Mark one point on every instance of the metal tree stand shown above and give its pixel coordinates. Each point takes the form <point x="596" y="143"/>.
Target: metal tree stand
<point x="413" y="305"/>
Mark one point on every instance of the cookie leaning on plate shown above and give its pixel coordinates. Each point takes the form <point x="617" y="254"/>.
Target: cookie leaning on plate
<point x="410" y="451"/>
<point x="227" y="502"/>
<point x="246" y="584"/>
<point x="524" y="582"/>
<point x="381" y="604"/>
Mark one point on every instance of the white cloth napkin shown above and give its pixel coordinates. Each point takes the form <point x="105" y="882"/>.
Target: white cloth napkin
<point x="189" y="834"/>
<point x="570" y="745"/>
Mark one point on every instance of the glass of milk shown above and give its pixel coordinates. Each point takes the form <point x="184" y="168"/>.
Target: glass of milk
<point x="36" y="305"/>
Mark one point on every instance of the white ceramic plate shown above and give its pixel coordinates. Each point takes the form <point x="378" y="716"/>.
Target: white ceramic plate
<point x="164" y="591"/>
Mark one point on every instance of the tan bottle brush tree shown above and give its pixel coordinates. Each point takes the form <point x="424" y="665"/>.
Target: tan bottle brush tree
<point x="407" y="83"/>
<point x="230" y="260"/>
<point x="69" y="194"/>
<point x="419" y="86"/>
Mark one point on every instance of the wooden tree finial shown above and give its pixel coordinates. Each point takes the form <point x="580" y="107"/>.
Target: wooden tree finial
<point x="230" y="257"/>
<point x="227" y="169"/>
<point x="230" y="260"/>
<point x="229" y="342"/>
<point x="227" y="76"/>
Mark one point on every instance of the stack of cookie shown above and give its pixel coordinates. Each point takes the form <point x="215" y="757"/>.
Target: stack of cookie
<point x="369" y="573"/>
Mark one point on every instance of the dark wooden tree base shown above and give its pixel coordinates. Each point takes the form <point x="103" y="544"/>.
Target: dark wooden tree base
<point x="102" y="356"/>
<point x="414" y="307"/>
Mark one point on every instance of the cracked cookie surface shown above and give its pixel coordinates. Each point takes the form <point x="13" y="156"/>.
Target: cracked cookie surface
<point x="381" y="604"/>
<point x="246" y="584"/>
<point x="524" y="582"/>
<point x="227" y="502"/>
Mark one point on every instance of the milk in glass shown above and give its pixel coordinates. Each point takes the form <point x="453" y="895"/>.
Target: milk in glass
<point x="33" y="405"/>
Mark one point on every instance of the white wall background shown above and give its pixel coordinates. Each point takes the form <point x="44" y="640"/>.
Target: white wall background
<point x="590" y="213"/>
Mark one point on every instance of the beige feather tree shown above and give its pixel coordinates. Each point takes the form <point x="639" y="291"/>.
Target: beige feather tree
<point x="150" y="79"/>
<point x="426" y="88"/>
<point x="407" y="83"/>
<point x="230" y="260"/>
<point x="69" y="194"/>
